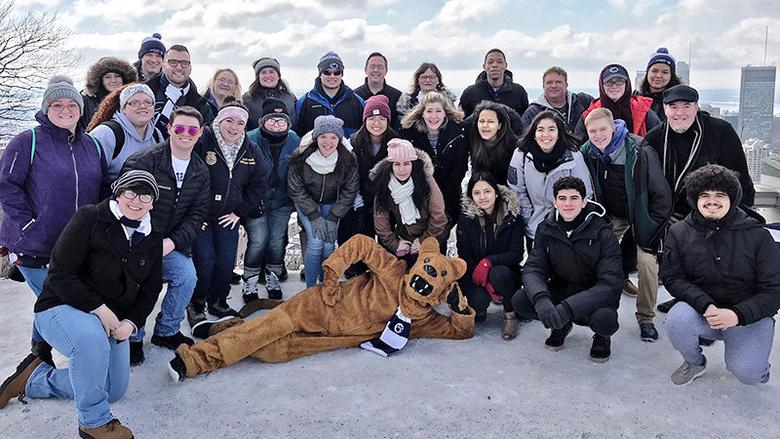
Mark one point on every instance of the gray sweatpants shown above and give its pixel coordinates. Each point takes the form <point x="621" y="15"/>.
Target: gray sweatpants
<point x="747" y="347"/>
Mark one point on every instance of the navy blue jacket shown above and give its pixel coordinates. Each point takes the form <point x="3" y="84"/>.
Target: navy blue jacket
<point x="346" y="105"/>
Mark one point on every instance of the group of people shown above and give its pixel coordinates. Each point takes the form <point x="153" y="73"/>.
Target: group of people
<point x="127" y="185"/>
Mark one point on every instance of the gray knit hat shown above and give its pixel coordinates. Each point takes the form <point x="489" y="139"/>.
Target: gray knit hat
<point x="328" y="124"/>
<point x="132" y="90"/>
<point x="330" y="61"/>
<point x="264" y="62"/>
<point x="140" y="182"/>
<point x="61" y="86"/>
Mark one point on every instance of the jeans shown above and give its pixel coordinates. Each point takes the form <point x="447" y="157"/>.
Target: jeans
<point x="317" y="250"/>
<point x="99" y="367"/>
<point x="34" y="278"/>
<point x="214" y="254"/>
<point x="179" y="272"/>
<point x="747" y="347"/>
<point x="266" y="244"/>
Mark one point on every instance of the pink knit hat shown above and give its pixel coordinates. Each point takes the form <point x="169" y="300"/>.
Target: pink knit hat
<point x="400" y="150"/>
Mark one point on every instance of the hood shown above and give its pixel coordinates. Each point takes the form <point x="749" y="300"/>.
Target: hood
<point x="509" y="203"/>
<point x="592" y="210"/>
<point x="385" y="165"/>
<point x="105" y="65"/>
<point x="542" y="100"/>
<point x="130" y="130"/>
<point x="735" y="217"/>
<point x="57" y="133"/>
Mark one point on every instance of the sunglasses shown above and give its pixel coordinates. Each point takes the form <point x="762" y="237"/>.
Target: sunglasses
<point x="192" y="131"/>
<point x="332" y="72"/>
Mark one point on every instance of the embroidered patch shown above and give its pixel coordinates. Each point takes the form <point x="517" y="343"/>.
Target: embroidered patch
<point x="247" y="161"/>
<point x="211" y="158"/>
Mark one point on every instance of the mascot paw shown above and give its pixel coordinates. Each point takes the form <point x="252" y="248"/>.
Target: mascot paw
<point x="457" y="301"/>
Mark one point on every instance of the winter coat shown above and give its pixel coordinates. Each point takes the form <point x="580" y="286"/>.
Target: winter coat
<point x="133" y="142"/>
<point x="42" y="187"/>
<point x="346" y="105"/>
<point x="719" y="145"/>
<point x="254" y="103"/>
<point x="509" y="229"/>
<point x="576" y="104"/>
<point x="159" y="83"/>
<point x="731" y="263"/>
<point x="179" y="213"/>
<point x="432" y="221"/>
<point x="94" y="92"/>
<point x="141" y="77"/>
<point x="450" y="160"/>
<point x="515" y="121"/>
<point x="276" y="191"/>
<point x="393" y="94"/>
<point x="582" y="270"/>
<point x="510" y="94"/>
<point x="238" y="190"/>
<point x="649" y="196"/>
<point x="407" y="102"/>
<point x="309" y="190"/>
<point x="643" y="117"/>
<point x="92" y="265"/>
<point x="366" y="162"/>
<point x="534" y="189"/>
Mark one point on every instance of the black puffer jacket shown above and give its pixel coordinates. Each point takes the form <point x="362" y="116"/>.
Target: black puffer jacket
<point x="178" y="218"/>
<point x="508" y="247"/>
<point x="582" y="270"/>
<point x="731" y="263"/>
<point x="510" y="94"/>
<point x="238" y="190"/>
<point x="365" y="162"/>
<point x="92" y="265"/>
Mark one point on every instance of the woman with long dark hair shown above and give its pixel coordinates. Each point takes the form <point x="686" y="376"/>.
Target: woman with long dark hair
<point x="661" y="74"/>
<point x="545" y="154"/>
<point x="268" y="83"/>
<point x="492" y="140"/>
<point x="408" y="206"/>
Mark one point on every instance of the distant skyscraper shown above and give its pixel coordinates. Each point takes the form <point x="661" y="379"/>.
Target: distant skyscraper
<point x="684" y="72"/>
<point x="640" y="76"/>
<point x="755" y="153"/>
<point x="756" y="102"/>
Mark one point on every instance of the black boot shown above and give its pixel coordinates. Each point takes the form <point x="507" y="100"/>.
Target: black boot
<point x="137" y="357"/>
<point x="600" y="350"/>
<point x="557" y="336"/>
<point x="43" y="351"/>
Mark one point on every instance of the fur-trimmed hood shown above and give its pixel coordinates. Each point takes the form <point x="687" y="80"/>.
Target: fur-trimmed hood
<point x="385" y="165"/>
<point x="508" y="199"/>
<point x="105" y="65"/>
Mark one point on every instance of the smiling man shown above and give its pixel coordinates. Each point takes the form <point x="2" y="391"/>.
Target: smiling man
<point x="150" y="57"/>
<point x="376" y="70"/>
<point x="495" y="84"/>
<point x="557" y="97"/>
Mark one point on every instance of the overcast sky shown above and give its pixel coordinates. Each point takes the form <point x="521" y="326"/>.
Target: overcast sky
<point x="580" y="36"/>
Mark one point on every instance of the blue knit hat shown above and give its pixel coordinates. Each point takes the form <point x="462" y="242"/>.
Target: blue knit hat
<point x="330" y="61"/>
<point x="662" y="56"/>
<point x="152" y="44"/>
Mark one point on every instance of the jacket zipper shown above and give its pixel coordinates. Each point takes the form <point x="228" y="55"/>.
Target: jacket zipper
<point x="29" y="223"/>
<point x="322" y="194"/>
<point x="75" y="169"/>
<point x="16" y="155"/>
<point x="230" y="173"/>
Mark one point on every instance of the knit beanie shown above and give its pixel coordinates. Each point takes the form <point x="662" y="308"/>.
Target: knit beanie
<point x="328" y="124"/>
<point x="662" y="56"/>
<point x="152" y="44"/>
<point x="140" y="182"/>
<point x="264" y="62"/>
<point x="400" y="150"/>
<point x="61" y="86"/>
<point x="330" y="61"/>
<point x="132" y="90"/>
<point x="377" y="105"/>
<point x="273" y="107"/>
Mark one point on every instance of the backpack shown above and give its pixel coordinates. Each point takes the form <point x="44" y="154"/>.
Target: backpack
<point x="119" y="135"/>
<point x="33" y="142"/>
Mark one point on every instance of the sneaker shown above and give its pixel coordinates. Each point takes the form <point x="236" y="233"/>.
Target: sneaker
<point x="177" y="369"/>
<point x="557" y="336"/>
<point x="196" y="313"/>
<point x="647" y="332"/>
<point x="13" y="386"/>
<point x="206" y="329"/>
<point x="172" y="341"/>
<point x="235" y="278"/>
<point x="509" y="326"/>
<point x="600" y="349"/>
<point x="272" y="285"/>
<point x="666" y="306"/>
<point x="686" y="373"/>
<point x="629" y="289"/>
<point x="137" y="357"/>
<point x="43" y="351"/>
<point x="113" y="430"/>
<point x="257" y="305"/>
<point x="249" y="289"/>
<point x="222" y="309"/>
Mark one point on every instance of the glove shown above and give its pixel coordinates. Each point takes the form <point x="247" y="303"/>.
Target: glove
<point x="415" y="248"/>
<point x="403" y="248"/>
<point x="453" y="299"/>
<point x="565" y="312"/>
<point x="492" y="293"/>
<point x="319" y="228"/>
<point x="480" y="274"/>
<point x="548" y="314"/>
<point x="332" y="231"/>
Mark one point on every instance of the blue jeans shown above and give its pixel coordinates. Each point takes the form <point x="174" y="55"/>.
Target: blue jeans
<point x="214" y="255"/>
<point x="317" y="250"/>
<point x="266" y="240"/>
<point x="99" y="368"/>
<point x="179" y="273"/>
<point x="34" y="278"/>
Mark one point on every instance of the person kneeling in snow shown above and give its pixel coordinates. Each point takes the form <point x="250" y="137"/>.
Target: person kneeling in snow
<point x="722" y="266"/>
<point x="378" y="311"/>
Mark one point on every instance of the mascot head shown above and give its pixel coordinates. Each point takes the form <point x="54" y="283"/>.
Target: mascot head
<point x="431" y="278"/>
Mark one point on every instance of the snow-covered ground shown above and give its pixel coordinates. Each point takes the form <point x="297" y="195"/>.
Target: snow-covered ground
<point x="483" y="387"/>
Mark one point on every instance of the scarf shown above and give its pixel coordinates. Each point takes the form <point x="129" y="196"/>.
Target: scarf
<point x="546" y="162"/>
<point x="402" y="196"/>
<point x="393" y="338"/>
<point x="618" y="137"/>
<point x="321" y="164"/>
<point x="135" y="230"/>
<point x="173" y="94"/>
<point x="230" y="152"/>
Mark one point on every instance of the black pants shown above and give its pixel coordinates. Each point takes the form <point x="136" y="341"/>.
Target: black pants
<point x="356" y="221"/>
<point x="628" y="252"/>
<point x="504" y="281"/>
<point x="602" y="321"/>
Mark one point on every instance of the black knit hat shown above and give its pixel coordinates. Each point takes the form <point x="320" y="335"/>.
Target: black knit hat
<point x="273" y="107"/>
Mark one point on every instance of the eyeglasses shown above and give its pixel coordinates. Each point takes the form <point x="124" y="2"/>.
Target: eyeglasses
<point x="139" y="104"/>
<point x="226" y="81"/>
<point x="176" y="62"/>
<point x="428" y="77"/>
<point x="144" y="198"/>
<point x="276" y="122"/>
<point x="615" y="82"/>
<point x="332" y="72"/>
<point x="59" y="108"/>
<point x="192" y="131"/>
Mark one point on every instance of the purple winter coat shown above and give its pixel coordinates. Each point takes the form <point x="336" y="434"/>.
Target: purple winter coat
<point x="38" y="198"/>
